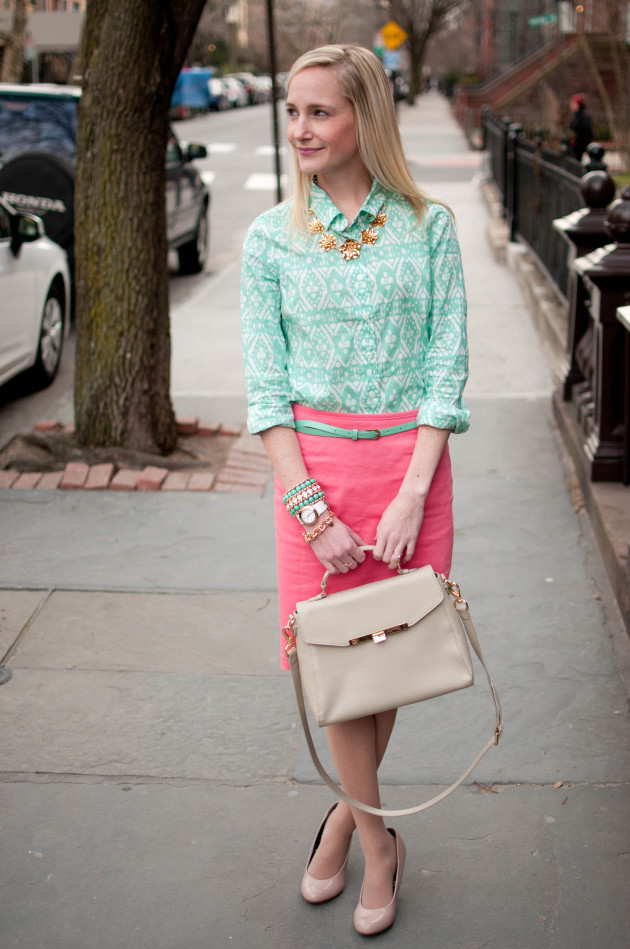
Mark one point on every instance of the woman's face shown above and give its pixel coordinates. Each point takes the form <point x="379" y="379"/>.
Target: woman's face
<point x="321" y="124"/>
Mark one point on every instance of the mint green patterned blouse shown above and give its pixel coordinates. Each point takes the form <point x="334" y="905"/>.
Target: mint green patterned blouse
<point x="385" y="332"/>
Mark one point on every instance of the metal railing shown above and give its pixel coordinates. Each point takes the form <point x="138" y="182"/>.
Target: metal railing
<point x="536" y="186"/>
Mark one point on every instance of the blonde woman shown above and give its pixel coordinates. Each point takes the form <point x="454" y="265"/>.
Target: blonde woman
<point x="356" y="357"/>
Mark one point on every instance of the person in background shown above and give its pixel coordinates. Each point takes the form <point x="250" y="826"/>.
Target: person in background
<point x="581" y="126"/>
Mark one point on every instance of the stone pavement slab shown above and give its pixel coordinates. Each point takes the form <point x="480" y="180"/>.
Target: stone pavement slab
<point x="150" y="541"/>
<point x="16" y="607"/>
<point x="206" y="634"/>
<point x="200" y="867"/>
<point x="148" y="724"/>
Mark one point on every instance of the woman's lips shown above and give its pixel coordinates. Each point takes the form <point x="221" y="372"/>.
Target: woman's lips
<point x="308" y="151"/>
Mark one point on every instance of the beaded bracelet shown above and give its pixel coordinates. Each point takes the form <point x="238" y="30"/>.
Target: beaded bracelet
<point x="308" y="492"/>
<point x="296" y="488"/>
<point x="303" y="496"/>
<point x="311" y="499"/>
<point x="321" y="527"/>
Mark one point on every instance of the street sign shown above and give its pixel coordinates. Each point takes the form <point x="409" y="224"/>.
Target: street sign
<point x="391" y="60"/>
<point x="393" y="34"/>
<point x="542" y="19"/>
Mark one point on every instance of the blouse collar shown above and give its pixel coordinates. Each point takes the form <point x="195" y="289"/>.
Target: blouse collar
<point x="330" y="215"/>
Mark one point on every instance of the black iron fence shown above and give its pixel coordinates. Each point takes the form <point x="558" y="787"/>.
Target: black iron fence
<point x="536" y="186"/>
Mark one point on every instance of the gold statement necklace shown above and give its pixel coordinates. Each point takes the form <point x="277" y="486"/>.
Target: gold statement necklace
<point x="350" y="249"/>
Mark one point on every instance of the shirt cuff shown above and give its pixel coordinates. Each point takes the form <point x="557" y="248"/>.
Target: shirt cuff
<point x="456" y="418"/>
<point x="260" y="419"/>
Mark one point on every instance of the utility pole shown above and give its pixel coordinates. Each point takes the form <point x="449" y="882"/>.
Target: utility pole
<point x="271" y="35"/>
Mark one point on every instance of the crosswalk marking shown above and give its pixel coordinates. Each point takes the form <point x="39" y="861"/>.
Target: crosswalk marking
<point x="263" y="182"/>
<point x="221" y="148"/>
<point x="270" y="150"/>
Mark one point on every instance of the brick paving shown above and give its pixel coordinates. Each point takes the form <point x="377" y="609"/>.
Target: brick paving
<point x="246" y="469"/>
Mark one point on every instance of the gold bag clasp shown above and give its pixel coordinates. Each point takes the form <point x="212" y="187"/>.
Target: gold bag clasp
<point x="380" y="635"/>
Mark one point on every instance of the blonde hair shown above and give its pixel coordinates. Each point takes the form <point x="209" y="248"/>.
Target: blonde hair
<point x="365" y="85"/>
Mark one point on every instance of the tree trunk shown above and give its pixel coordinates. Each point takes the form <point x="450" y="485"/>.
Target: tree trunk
<point x="420" y="19"/>
<point x="131" y="54"/>
<point x="13" y="60"/>
<point x="417" y="49"/>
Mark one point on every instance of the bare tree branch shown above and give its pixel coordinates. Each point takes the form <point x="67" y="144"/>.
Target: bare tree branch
<point x="422" y="19"/>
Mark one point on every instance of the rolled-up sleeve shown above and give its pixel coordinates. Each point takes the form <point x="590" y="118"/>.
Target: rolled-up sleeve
<point x="446" y="359"/>
<point x="264" y="343"/>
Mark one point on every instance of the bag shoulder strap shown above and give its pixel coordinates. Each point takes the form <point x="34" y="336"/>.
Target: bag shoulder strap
<point x="464" y="615"/>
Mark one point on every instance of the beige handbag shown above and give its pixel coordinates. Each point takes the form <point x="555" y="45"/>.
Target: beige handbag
<point x="381" y="646"/>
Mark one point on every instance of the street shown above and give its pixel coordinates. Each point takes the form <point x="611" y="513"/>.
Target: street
<point x="239" y="169"/>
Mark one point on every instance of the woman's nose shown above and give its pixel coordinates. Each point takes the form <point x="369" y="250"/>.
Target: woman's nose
<point x="302" y="127"/>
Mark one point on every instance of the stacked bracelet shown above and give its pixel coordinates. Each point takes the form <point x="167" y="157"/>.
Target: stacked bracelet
<point x="311" y="499"/>
<point x="303" y="494"/>
<point x="296" y="488"/>
<point x="321" y="527"/>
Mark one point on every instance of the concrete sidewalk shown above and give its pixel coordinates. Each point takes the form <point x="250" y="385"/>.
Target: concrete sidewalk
<point x="155" y="789"/>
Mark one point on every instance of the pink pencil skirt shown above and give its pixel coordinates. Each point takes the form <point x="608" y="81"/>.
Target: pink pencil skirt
<point x="359" y="478"/>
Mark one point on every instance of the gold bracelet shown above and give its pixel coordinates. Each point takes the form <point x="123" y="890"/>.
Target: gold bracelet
<point x="319" y="529"/>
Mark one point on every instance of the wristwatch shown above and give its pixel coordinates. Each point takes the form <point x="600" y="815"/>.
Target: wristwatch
<point x="309" y="514"/>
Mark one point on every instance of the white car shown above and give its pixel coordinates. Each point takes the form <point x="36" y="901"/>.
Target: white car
<point x="34" y="298"/>
<point x="236" y="92"/>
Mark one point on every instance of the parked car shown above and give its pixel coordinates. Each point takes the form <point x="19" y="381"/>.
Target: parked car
<point x="38" y="134"/>
<point x="248" y="79"/>
<point x="34" y="298"/>
<point x="237" y="93"/>
<point x="191" y="93"/>
<point x="219" y="98"/>
<point x="263" y="88"/>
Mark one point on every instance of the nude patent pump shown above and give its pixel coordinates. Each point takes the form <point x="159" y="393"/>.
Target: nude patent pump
<point x="368" y="922"/>
<point x="319" y="891"/>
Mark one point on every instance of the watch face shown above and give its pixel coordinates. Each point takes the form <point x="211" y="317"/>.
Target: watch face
<point x="308" y="515"/>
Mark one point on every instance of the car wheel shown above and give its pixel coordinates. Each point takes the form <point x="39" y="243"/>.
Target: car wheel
<point x="50" y="344"/>
<point x="193" y="255"/>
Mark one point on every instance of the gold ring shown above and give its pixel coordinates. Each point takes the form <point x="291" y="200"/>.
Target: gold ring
<point x="346" y="564"/>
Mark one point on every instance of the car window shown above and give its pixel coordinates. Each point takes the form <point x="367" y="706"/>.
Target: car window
<point x="41" y="125"/>
<point x="5" y="224"/>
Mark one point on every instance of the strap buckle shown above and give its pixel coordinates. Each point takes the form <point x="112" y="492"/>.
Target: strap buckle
<point x="453" y="589"/>
<point x="289" y="634"/>
<point x="372" y="433"/>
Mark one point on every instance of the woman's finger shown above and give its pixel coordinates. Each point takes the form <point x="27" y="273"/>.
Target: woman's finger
<point x="396" y="557"/>
<point x="357" y="554"/>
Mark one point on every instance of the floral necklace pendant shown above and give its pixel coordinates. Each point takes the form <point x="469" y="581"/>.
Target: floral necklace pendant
<point x="350" y="249"/>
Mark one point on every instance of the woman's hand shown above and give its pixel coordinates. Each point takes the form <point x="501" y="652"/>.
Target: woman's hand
<point x="338" y="547"/>
<point x="398" y="529"/>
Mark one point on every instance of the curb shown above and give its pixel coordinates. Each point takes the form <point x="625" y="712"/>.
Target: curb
<point x="246" y="469"/>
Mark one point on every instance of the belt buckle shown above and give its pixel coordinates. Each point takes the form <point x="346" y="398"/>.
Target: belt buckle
<point x="374" y="433"/>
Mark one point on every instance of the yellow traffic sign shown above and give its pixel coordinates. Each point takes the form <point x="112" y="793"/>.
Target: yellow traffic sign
<point x="393" y="34"/>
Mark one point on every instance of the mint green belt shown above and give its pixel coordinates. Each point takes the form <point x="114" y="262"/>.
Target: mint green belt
<point x="334" y="431"/>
